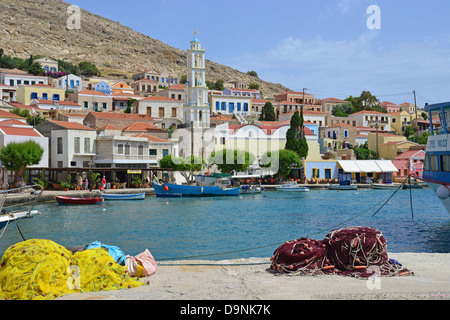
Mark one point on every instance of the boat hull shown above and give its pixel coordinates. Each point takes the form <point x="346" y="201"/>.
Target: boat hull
<point x="435" y="186"/>
<point x="139" y="196"/>
<point x="175" y="190"/>
<point x="78" y="201"/>
<point x="382" y="186"/>
<point x="292" y="189"/>
<point x="4" y="219"/>
<point x="339" y="187"/>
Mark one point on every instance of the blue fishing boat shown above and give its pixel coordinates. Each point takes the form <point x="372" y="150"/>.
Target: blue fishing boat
<point x="436" y="171"/>
<point x="132" y="196"/>
<point x="222" y="189"/>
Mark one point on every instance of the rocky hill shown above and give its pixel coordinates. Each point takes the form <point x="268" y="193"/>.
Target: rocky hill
<point x="39" y="27"/>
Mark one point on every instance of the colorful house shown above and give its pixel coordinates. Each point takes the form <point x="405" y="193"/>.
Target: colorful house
<point x="26" y="94"/>
<point x="121" y="87"/>
<point x="103" y="87"/>
<point x="409" y="161"/>
<point x="399" y="121"/>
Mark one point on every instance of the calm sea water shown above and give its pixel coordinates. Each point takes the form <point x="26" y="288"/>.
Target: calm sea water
<point x="201" y="228"/>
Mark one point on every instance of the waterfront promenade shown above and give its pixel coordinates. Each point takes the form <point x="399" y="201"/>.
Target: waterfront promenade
<point x="251" y="279"/>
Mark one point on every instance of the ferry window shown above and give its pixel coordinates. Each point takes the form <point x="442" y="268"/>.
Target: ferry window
<point x="426" y="165"/>
<point x="434" y="163"/>
<point x="447" y="118"/>
<point x="446" y="163"/>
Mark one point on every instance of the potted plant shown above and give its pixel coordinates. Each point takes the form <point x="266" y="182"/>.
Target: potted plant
<point x="65" y="185"/>
<point x="137" y="182"/>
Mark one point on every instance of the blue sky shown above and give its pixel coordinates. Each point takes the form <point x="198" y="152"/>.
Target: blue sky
<point x="324" y="46"/>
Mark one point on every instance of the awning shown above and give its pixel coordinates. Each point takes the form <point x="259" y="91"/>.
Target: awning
<point x="386" y="166"/>
<point x="349" y="166"/>
<point x="368" y="166"/>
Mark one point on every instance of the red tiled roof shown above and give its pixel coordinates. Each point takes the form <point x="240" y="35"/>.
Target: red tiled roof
<point x="92" y="93"/>
<point x="16" y="131"/>
<point x="370" y="112"/>
<point x="129" y="116"/>
<point x="71" y="125"/>
<point x="141" y="126"/>
<point x="334" y="99"/>
<point x="411" y="153"/>
<point x="6" y="114"/>
<point x="268" y="129"/>
<point x="151" y="138"/>
<point x="177" y="87"/>
<point x="339" y="124"/>
<point x="108" y="127"/>
<point x="160" y="98"/>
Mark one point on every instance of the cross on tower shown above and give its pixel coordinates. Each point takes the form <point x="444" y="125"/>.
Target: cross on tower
<point x="195" y="33"/>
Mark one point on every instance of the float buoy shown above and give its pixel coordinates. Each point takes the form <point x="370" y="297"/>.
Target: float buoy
<point x="442" y="192"/>
<point x="166" y="188"/>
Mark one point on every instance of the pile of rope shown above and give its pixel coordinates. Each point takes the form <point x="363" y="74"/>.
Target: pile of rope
<point x="44" y="270"/>
<point x="359" y="252"/>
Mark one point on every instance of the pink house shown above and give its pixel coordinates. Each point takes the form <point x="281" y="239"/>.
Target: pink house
<point x="409" y="161"/>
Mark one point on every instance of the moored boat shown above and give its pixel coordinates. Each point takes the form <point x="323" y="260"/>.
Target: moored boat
<point x="385" y="186"/>
<point x="292" y="186"/>
<point x="436" y="171"/>
<point x="8" y="217"/>
<point x="222" y="189"/>
<point x="128" y="196"/>
<point x="342" y="187"/>
<point x="74" y="200"/>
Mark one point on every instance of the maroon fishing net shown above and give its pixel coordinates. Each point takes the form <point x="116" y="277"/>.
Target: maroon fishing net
<point x="359" y="252"/>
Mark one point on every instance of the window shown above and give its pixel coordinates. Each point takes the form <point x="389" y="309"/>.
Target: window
<point x="140" y="150"/>
<point x="222" y="140"/>
<point x="346" y="133"/>
<point x="149" y="111"/>
<point x="434" y="163"/>
<point x="105" y="105"/>
<point x="120" y="149"/>
<point x="45" y="96"/>
<point x="238" y="106"/>
<point x="327" y="173"/>
<point x="426" y="165"/>
<point x="34" y="95"/>
<point x="174" y="112"/>
<point x="11" y="83"/>
<point x="76" y="143"/>
<point x="26" y="82"/>
<point x="127" y="149"/>
<point x="73" y="163"/>
<point x="60" y="164"/>
<point x="59" y="145"/>
<point x="245" y="107"/>
<point x="153" y="152"/>
<point x="315" y="173"/>
<point x="161" y="112"/>
<point x="217" y="105"/>
<point x="86" y="104"/>
<point x="445" y="163"/>
<point x="165" y="152"/>
<point x="87" y="145"/>
<point x="224" y="106"/>
<point x="56" y="97"/>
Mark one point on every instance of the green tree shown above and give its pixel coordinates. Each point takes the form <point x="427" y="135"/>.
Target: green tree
<point x="268" y="113"/>
<point x="32" y="121"/>
<point x="409" y="131"/>
<point x="35" y="68"/>
<point x="253" y="74"/>
<point x="343" y="110"/>
<point x="363" y="152"/>
<point x="88" y="69"/>
<point x="17" y="156"/>
<point x="366" y="101"/>
<point x="281" y="162"/>
<point x="228" y="161"/>
<point x="186" y="166"/>
<point x="295" y="136"/>
<point x="253" y="86"/>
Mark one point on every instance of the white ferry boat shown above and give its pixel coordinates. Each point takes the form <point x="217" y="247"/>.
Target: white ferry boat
<point x="436" y="171"/>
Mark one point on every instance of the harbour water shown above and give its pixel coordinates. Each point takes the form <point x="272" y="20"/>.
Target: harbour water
<point x="242" y="227"/>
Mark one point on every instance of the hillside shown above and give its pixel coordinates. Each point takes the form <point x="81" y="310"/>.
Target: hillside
<point x="39" y="27"/>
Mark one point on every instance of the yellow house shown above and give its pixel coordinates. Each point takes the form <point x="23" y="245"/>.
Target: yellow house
<point x="399" y="121"/>
<point x="391" y="150"/>
<point x="382" y="138"/>
<point x="26" y="94"/>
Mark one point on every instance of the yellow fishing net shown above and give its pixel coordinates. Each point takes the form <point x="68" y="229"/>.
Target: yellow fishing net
<point x="44" y="270"/>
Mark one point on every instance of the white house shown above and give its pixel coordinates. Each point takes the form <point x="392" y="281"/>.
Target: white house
<point x="169" y="110"/>
<point x="372" y="119"/>
<point x="70" y="82"/>
<point x="14" y="130"/>
<point x="229" y="105"/>
<point x="72" y="145"/>
<point x="16" y="78"/>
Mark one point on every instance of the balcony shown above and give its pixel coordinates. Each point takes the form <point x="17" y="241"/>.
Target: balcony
<point x="114" y="158"/>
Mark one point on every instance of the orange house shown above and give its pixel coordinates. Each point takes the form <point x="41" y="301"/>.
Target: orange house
<point x="121" y="87"/>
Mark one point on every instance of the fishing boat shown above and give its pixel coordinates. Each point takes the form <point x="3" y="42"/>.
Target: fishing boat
<point x="385" y="186"/>
<point x="292" y="186"/>
<point x="132" y="196"/>
<point x="223" y="188"/>
<point x="249" y="184"/>
<point x="7" y="217"/>
<point x="343" y="187"/>
<point x="79" y="201"/>
<point x="436" y="171"/>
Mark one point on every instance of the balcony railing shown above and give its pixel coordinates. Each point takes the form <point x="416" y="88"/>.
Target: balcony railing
<point x="113" y="157"/>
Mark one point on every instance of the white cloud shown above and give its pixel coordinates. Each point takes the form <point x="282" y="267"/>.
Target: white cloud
<point x="350" y="66"/>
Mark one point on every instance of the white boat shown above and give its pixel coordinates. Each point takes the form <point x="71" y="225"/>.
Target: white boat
<point x="436" y="170"/>
<point x="385" y="186"/>
<point x="342" y="187"/>
<point x="292" y="186"/>
<point x="8" y="217"/>
<point x="128" y="196"/>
